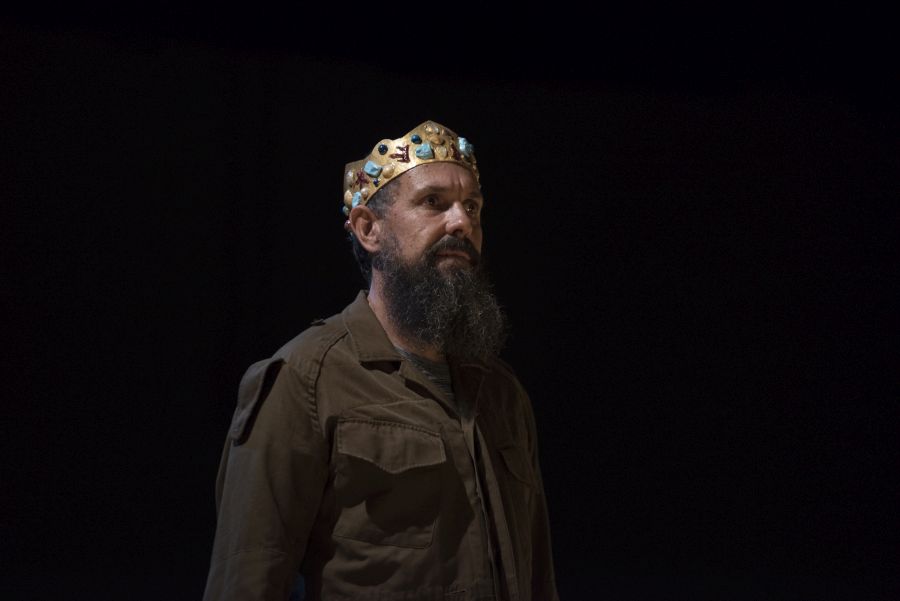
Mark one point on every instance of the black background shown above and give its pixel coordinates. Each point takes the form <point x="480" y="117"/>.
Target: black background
<point x="691" y="227"/>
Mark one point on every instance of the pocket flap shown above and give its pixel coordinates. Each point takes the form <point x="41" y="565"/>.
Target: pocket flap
<point x="393" y="447"/>
<point x="517" y="463"/>
<point x="254" y="388"/>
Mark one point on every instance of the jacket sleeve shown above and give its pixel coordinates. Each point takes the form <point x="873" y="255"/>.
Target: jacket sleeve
<point x="543" y="578"/>
<point x="270" y="484"/>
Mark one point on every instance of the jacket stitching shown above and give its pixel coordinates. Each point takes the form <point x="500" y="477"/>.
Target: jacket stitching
<point x="313" y="374"/>
<point x="386" y="467"/>
<point x="233" y="554"/>
<point x="381" y="423"/>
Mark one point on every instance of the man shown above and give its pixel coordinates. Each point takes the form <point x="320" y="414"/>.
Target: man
<point x="386" y="452"/>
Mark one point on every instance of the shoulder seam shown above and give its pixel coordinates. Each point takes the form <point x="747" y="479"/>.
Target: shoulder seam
<point x="310" y="375"/>
<point x="507" y="371"/>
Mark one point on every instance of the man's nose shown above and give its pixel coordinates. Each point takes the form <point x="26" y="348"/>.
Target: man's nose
<point x="459" y="222"/>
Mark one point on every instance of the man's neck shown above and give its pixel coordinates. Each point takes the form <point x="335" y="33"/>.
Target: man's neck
<point x="379" y="308"/>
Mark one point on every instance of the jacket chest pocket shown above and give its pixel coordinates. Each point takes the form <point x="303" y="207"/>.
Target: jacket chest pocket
<point x="387" y="482"/>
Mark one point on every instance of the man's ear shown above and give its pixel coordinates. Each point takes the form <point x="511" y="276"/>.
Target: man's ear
<point x="366" y="226"/>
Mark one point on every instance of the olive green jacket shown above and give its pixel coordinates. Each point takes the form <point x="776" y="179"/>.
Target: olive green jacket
<point x="346" y="463"/>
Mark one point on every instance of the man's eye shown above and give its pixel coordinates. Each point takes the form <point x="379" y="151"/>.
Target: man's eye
<point x="431" y="201"/>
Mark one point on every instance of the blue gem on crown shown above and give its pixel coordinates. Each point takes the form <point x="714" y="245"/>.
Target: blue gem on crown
<point x="372" y="169"/>
<point x="425" y="151"/>
<point x="466" y="148"/>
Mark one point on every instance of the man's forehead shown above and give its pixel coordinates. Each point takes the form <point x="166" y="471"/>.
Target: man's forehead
<point x="441" y="178"/>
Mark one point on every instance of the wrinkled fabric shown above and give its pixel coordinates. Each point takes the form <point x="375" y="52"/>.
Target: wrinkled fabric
<point x="345" y="463"/>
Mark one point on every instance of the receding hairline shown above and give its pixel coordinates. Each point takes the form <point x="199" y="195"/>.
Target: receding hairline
<point x="475" y="192"/>
<point x="418" y="185"/>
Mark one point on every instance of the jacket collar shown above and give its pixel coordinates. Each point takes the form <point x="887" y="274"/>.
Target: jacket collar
<point x="369" y="339"/>
<point x="372" y="344"/>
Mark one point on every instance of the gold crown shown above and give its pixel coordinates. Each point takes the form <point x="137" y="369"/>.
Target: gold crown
<point x="428" y="142"/>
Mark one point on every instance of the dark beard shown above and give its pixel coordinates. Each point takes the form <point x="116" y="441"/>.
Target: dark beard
<point x="455" y="311"/>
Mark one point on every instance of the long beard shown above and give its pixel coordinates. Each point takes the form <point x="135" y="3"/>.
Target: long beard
<point x="454" y="311"/>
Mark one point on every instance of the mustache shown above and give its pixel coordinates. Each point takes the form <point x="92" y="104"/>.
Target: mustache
<point x="460" y="244"/>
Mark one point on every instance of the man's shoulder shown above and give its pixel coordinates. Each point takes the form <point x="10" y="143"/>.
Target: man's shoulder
<point x="502" y="379"/>
<point x="335" y="343"/>
<point x="503" y="370"/>
<point x="497" y="364"/>
<point x="313" y="343"/>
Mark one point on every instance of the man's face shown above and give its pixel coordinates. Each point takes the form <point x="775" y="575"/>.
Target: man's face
<point x="437" y="210"/>
<point x="433" y="281"/>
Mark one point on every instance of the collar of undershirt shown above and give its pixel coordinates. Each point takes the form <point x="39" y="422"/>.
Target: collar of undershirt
<point x="436" y="371"/>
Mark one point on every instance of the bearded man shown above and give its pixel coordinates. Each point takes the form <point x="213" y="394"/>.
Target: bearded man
<point x="387" y="452"/>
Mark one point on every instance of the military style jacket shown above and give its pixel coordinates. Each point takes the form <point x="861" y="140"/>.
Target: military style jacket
<point x="345" y="463"/>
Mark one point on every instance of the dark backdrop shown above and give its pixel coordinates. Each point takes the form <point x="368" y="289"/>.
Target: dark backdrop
<point x="693" y="246"/>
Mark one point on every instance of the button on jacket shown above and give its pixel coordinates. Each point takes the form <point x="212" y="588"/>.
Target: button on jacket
<point x="346" y="463"/>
